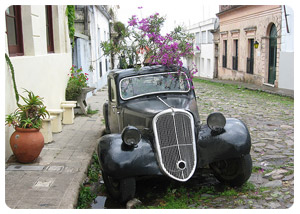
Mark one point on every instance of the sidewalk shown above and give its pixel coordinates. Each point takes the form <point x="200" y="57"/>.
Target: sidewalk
<point x="265" y="88"/>
<point x="54" y="180"/>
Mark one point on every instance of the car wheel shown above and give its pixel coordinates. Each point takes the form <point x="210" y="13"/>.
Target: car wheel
<point x="120" y="189"/>
<point x="234" y="172"/>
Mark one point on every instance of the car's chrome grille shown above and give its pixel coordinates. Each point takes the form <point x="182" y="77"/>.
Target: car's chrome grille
<point x="175" y="143"/>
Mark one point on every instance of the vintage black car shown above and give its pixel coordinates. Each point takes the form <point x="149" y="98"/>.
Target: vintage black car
<point x="153" y="128"/>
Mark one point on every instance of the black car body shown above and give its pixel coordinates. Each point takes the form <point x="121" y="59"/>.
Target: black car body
<point x="153" y="128"/>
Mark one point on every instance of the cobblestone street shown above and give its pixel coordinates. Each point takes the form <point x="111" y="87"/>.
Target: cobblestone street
<point x="270" y="120"/>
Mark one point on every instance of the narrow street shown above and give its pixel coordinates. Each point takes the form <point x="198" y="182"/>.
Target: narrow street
<point x="270" y="120"/>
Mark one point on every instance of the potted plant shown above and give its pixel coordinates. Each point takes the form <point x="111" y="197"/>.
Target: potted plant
<point x="77" y="87"/>
<point x="76" y="83"/>
<point x="27" y="141"/>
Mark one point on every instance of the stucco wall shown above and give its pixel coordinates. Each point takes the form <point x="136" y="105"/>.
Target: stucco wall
<point x="286" y="70"/>
<point x="235" y="24"/>
<point x="44" y="74"/>
<point x="286" y="59"/>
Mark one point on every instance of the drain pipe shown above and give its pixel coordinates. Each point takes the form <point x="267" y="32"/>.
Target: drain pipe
<point x="286" y="22"/>
<point x="86" y="20"/>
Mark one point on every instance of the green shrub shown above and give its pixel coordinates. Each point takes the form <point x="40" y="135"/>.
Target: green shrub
<point x="77" y="81"/>
<point x="73" y="90"/>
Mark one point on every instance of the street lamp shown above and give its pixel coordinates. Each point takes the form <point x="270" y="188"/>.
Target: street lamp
<point x="256" y="44"/>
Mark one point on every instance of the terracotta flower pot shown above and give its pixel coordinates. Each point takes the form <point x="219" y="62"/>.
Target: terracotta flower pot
<point x="26" y="144"/>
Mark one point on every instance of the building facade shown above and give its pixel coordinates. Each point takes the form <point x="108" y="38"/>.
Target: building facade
<point x="92" y="27"/>
<point x="250" y="44"/>
<point x="204" y="58"/>
<point x="37" y="42"/>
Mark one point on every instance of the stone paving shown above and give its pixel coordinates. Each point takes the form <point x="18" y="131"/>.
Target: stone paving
<point x="64" y="162"/>
<point x="270" y="120"/>
<point x="271" y="124"/>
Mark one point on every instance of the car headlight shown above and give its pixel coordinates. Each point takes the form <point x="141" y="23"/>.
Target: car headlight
<point x="216" y="121"/>
<point x="131" y="136"/>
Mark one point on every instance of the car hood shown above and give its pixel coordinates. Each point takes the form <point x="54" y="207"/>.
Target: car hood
<point x="140" y="112"/>
<point x="152" y="106"/>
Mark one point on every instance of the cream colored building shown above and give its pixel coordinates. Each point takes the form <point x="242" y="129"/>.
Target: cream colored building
<point x="241" y="27"/>
<point x="40" y="51"/>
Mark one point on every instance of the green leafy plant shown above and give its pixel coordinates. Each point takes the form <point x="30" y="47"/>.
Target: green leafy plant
<point x="94" y="169"/>
<point x="70" y="12"/>
<point x="77" y="81"/>
<point x="86" y="194"/>
<point x="30" y="114"/>
<point x="12" y="70"/>
<point x="147" y="45"/>
<point x="85" y="197"/>
<point x="91" y="111"/>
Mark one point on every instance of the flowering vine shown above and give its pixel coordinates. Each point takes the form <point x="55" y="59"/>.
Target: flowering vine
<point x="148" y="46"/>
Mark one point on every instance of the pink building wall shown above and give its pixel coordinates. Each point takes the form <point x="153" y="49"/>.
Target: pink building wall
<point x="243" y="23"/>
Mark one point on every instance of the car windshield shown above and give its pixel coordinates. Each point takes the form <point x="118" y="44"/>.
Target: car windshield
<point x="136" y="86"/>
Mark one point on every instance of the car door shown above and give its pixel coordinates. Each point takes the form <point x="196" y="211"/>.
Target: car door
<point x="113" y="112"/>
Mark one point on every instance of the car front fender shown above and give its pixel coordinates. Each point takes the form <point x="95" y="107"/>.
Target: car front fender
<point x="120" y="161"/>
<point x="233" y="142"/>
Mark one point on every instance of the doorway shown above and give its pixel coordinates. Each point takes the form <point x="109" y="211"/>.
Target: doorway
<point x="272" y="55"/>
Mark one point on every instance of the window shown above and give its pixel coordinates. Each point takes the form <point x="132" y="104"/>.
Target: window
<point x="112" y="92"/>
<point x="208" y="65"/>
<point x="136" y="86"/>
<point x="106" y="65"/>
<point x="99" y="41"/>
<point x="203" y="36"/>
<point x="210" y="37"/>
<point x="224" y="58"/>
<point x="197" y="38"/>
<point x="100" y="65"/>
<point x="49" y="29"/>
<point x="14" y="31"/>
<point x="202" y="65"/>
<point x="235" y="55"/>
<point x="250" y="58"/>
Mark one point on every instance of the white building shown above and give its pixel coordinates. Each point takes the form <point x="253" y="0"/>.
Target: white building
<point x="99" y="33"/>
<point x="204" y="58"/>
<point x="92" y="28"/>
<point x="37" y="42"/>
<point x="286" y="56"/>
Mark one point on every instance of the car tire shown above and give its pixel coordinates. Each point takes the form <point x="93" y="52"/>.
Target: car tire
<point x="121" y="190"/>
<point x="234" y="172"/>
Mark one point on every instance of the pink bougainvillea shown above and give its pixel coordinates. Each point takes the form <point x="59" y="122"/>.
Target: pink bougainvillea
<point x="148" y="46"/>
